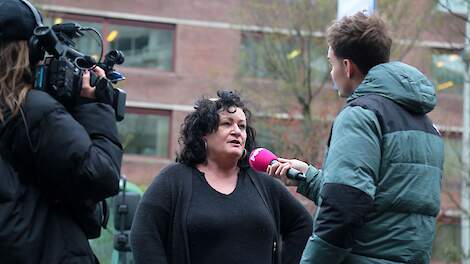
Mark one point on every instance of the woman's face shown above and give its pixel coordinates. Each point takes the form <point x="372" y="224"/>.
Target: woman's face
<point x="230" y="137"/>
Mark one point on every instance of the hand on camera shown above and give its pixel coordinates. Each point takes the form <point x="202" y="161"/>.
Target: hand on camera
<point x="280" y="168"/>
<point x="88" y="91"/>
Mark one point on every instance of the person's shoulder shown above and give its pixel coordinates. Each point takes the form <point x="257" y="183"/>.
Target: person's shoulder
<point x="352" y="111"/>
<point x="176" y="167"/>
<point x="38" y="100"/>
<point x="356" y="116"/>
<point x="39" y="104"/>
<point x="174" y="172"/>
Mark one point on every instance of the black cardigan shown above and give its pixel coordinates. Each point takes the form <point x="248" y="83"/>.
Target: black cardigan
<point x="159" y="233"/>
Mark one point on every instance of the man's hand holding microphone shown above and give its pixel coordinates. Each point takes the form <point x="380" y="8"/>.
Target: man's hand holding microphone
<point x="289" y="171"/>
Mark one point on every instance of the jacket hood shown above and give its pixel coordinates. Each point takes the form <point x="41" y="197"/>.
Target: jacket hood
<point x="401" y="83"/>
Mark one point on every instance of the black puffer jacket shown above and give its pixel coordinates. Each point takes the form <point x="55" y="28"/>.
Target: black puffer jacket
<point x="67" y="161"/>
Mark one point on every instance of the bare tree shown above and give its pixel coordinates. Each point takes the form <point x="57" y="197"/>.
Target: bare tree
<point x="286" y="50"/>
<point x="407" y="21"/>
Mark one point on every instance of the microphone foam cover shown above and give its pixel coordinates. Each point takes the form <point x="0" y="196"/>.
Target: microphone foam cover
<point x="260" y="159"/>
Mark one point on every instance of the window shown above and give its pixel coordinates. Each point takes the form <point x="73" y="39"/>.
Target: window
<point x="453" y="158"/>
<point x="267" y="132"/>
<point x="145" y="133"/>
<point x="455" y="6"/>
<point x="280" y="56"/>
<point x="448" y="72"/>
<point x="145" y="45"/>
<point x="89" y="43"/>
<point x="253" y="63"/>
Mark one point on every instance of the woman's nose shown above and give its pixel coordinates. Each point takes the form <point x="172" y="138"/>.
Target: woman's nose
<point x="236" y="129"/>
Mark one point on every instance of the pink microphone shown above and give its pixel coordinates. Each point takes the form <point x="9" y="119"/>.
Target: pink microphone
<point x="261" y="158"/>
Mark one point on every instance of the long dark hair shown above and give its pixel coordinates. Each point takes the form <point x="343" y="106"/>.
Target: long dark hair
<point x="205" y="120"/>
<point x="15" y="75"/>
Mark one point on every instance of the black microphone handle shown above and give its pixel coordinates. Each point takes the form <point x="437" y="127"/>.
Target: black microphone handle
<point x="292" y="173"/>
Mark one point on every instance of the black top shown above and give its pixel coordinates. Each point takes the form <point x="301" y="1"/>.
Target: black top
<point x="233" y="228"/>
<point x="159" y="232"/>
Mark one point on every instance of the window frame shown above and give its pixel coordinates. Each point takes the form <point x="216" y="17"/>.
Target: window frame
<point x="447" y="52"/>
<point x="291" y="41"/>
<point x="154" y="112"/>
<point x="444" y="7"/>
<point x="106" y="22"/>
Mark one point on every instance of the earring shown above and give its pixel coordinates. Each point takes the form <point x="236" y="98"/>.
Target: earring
<point x="205" y="144"/>
<point x="243" y="154"/>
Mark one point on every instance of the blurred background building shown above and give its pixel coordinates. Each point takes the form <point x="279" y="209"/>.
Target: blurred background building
<point x="274" y="52"/>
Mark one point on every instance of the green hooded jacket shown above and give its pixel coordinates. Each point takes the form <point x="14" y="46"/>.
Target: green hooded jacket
<point x="378" y="193"/>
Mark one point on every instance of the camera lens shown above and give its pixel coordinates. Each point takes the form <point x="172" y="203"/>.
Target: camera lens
<point x="85" y="62"/>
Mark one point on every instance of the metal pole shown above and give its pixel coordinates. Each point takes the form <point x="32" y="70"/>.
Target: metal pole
<point x="465" y="202"/>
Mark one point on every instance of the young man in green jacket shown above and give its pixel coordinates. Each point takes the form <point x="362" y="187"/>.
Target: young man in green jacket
<point x="378" y="193"/>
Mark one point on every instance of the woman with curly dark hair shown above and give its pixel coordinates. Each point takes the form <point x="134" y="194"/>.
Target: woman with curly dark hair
<point x="211" y="207"/>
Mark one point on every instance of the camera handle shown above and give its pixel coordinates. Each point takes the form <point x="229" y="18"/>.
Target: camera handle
<point x="125" y="205"/>
<point x="116" y="96"/>
<point x="122" y="238"/>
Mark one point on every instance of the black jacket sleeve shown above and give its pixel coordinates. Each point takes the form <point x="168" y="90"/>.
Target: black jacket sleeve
<point x="77" y="157"/>
<point x="151" y="227"/>
<point x="342" y="211"/>
<point x="296" y="226"/>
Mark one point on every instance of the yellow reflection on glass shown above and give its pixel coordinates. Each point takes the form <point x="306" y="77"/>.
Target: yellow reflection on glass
<point x="112" y="36"/>
<point x="58" y="20"/>
<point x="439" y="64"/>
<point x="454" y="57"/>
<point x="445" y="85"/>
<point x="293" y="54"/>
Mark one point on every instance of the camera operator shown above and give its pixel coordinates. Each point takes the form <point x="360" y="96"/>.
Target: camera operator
<point x="67" y="160"/>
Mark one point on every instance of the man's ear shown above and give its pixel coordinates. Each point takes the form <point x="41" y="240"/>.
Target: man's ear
<point x="350" y="67"/>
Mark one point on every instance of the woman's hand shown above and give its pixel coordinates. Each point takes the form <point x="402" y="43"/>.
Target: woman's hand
<point x="88" y="91"/>
<point x="280" y="168"/>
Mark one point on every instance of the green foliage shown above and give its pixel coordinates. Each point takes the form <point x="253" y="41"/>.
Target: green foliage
<point x="446" y="245"/>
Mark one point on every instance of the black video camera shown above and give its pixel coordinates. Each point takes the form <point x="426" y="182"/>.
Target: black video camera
<point x="61" y="73"/>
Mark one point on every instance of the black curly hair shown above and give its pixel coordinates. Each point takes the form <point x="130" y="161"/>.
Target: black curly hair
<point x="205" y="120"/>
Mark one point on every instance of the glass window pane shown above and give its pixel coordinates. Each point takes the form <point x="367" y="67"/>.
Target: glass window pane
<point x="456" y="6"/>
<point x="265" y="134"/>
<point x="448" y="72"/>
<point x="280" y="56"/>
<point x="453" y="158"/>
<point x="143" y="47"/>
<point x="145" y="134"/>
<point x="89" y="43"/>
